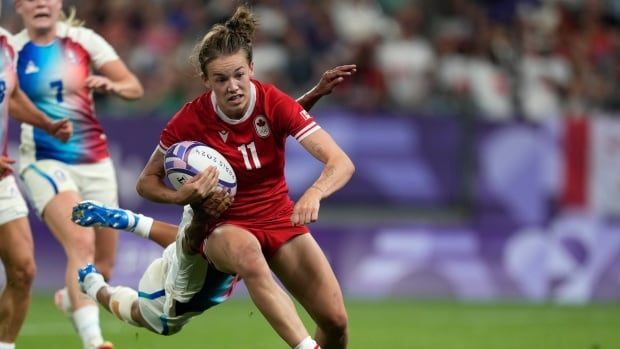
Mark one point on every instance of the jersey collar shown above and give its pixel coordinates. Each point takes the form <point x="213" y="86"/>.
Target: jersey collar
<point x="247" y="114"/>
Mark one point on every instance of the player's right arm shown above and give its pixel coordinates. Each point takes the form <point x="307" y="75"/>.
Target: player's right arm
<point x="151" y="183"/>
<point x="22" y="109"/>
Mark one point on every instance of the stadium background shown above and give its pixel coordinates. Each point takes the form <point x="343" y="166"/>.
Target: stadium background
<point x="485" y="134"/>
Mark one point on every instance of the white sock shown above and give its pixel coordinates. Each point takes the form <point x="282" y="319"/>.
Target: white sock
<point x="86" y="320"/>
<point x="4" y="345"/>
<point x="307" y="343"/>
<point x="143" y="226"/>
<point x="93" y="283"/>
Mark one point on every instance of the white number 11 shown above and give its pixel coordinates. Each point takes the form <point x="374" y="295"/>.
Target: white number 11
<point x="244" y="151"/>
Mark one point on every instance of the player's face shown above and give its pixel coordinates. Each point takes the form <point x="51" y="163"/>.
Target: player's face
<point x="39" y="14"/>
<point x="229" y="79"/>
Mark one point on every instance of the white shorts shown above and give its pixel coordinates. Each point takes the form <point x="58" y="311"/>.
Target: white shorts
<point x="44" y="179"/>
<point x="177" y="287"/>
<point x="12" y="204"/>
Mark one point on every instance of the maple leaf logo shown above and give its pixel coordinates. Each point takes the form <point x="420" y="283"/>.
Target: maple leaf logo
<point x="261" y="126"/>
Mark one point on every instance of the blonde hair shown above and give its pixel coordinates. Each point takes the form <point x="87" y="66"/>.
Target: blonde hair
<point x="236" y="34"/>
<point x="71" y="19"/>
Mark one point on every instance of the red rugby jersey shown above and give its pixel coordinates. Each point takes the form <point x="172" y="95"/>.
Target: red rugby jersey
<point x="254" y="145"/>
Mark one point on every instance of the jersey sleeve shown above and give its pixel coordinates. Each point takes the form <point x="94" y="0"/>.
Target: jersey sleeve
<point x="100" y="51"/>
<point x="292" y="119"/>
<point x="170" y="133"/>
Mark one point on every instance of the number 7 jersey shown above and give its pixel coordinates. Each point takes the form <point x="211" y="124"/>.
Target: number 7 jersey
<point x="53" y="76"/>
<point x="253" y="145"/>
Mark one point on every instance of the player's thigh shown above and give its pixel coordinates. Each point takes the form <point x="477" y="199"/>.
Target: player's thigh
<point x="44" y="180"/>
<point x="303" y="269"/>
<point x="77" y="241"/>
<point x="17" y="251"/>
<point x="97" y="182"/>
<point x="16" y="246"/>
<point x="232" y="248"/>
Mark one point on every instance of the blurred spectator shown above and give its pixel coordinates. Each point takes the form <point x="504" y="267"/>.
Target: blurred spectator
<point x="407" y="60"/>
<point x="366" y="90"/>
<point x="544" y="74"/>
<point x="490" y="84"/>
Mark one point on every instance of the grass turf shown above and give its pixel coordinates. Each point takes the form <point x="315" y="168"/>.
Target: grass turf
<point x="391" y="324"/>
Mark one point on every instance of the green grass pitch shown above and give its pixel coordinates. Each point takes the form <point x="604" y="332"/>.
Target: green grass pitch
<point x="392" y="324"/>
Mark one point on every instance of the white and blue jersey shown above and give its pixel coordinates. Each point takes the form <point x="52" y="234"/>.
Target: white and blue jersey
<point x="53" y="76"/>
<point x="170" y="297"/>
<point x="177" y="287"/>
<point x="7" y="85"/>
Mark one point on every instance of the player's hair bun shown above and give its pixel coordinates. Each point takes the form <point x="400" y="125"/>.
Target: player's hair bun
<point x="242" y="23"/>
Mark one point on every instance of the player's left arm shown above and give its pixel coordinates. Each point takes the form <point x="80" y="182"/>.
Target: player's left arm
<point x="22" y="109"/>
<point x="195" y="231"/>
<point x="329" y="80"/>
<point x="116" y="78"/>
<point x="337" y="171"/>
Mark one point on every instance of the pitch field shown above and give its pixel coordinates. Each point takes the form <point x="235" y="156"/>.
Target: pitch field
<point x="394" y="324"/>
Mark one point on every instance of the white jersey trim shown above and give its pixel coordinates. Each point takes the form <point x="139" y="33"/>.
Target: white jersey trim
<point x="9" y="36"/>
<point x="248" y="112"/>
<point x="100" y="51"/>
<point x="307" y="131"/>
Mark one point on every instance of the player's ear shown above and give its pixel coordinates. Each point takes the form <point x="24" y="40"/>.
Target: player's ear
<point x="18" y="6"/>
<point x="205" y="80"/>
<point x="252" y="69"/>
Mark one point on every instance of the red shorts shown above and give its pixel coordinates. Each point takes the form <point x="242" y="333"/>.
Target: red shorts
<point x="271" y="234"/>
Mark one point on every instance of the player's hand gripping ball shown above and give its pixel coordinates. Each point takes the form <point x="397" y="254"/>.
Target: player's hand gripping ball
<point x="188" y="158"/>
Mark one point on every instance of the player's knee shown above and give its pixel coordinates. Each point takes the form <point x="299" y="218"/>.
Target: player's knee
<point x="250" y="262"/>
<point x="335" y="324"/>
<point x="21" y="275"/>
<point x="122" y="301"/>
<point x="81" y="247"/>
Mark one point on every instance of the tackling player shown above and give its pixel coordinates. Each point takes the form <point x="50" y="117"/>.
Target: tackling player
<point x="176" y="287"/>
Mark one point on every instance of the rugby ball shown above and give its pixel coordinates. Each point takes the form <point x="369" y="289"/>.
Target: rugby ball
<point x="186" y="159"/>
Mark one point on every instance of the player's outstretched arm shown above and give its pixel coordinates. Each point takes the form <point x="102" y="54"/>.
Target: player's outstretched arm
<point x="329" y="80"/>
<point x="93" y="214"/>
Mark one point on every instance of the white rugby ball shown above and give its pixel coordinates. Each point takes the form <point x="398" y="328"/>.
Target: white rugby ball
<point x="186" y="159"/>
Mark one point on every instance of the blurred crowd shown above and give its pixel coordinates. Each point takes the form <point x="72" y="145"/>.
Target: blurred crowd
<point x="495" y="59"/>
